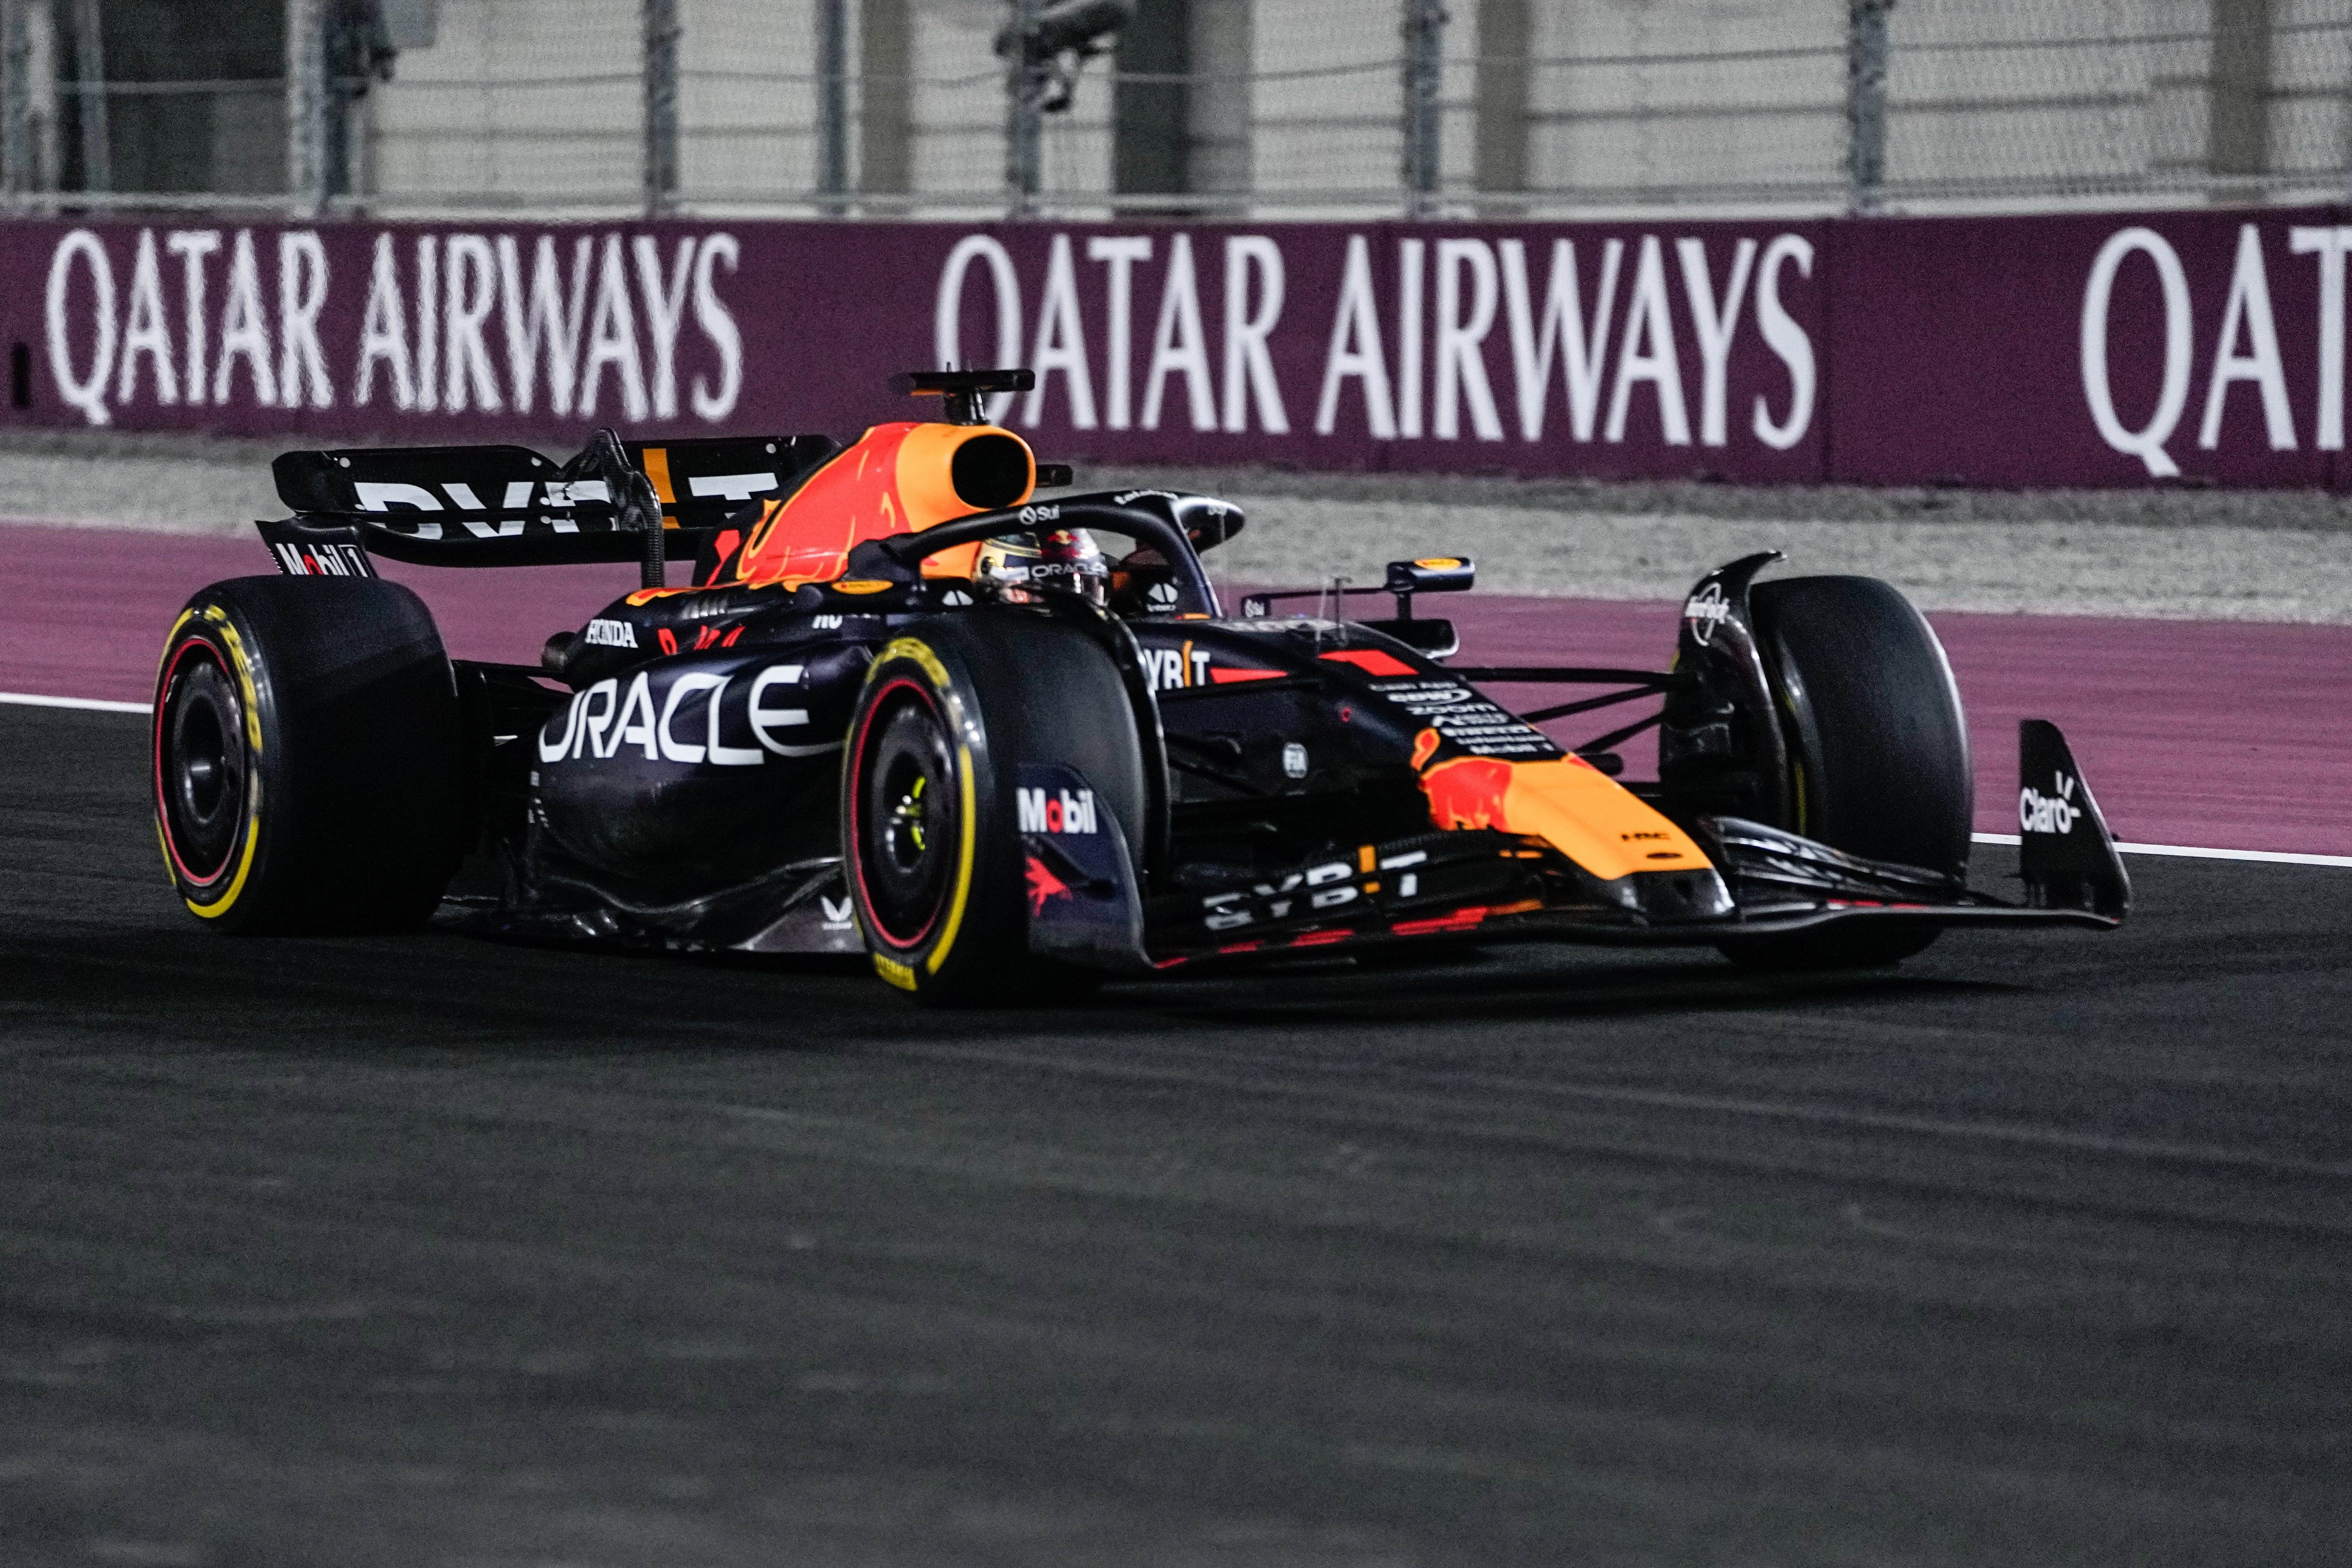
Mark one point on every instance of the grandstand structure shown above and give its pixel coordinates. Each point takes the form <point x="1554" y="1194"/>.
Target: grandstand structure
<point x="1254" y="109"/>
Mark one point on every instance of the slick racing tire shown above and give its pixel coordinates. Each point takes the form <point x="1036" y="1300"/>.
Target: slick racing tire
<point x="1878" y="745"/>
<point x="307" y="757"/>
<point x="931" y="844"/>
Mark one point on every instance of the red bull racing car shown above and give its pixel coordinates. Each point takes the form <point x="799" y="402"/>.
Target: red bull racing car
<point x="1003" y="744"/>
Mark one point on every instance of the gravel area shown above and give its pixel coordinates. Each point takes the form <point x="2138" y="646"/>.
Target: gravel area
<point x="169" y="483"/>
<point x="2197" y="554"/>
<point x="2211" y="572"/>
<point x="2180" y="554"/>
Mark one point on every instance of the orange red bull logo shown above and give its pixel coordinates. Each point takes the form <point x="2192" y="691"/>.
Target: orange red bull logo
<point x="1468" y="792"/>
<point x="1565" y="800"/>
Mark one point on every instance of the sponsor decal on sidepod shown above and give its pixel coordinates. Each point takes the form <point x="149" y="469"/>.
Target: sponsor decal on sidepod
<point x="602" y="719"/>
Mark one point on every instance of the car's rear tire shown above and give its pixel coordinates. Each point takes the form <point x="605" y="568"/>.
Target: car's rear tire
<point x="1879" y="746"/>
<point x="931" y="845"/>
<point x="307" y="757"/>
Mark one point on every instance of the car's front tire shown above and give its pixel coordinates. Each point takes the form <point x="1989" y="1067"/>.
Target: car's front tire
<point x="931" y="845"/>
<point x="1879" y="746"/>
<point x="307" y="757"/>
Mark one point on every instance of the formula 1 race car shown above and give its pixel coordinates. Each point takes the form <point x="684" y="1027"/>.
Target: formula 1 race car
<point x="905" y="709"/>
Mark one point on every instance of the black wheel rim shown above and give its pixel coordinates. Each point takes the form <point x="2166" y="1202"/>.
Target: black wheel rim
<point x="908" y="818"/>
<point x="203" y="767"/>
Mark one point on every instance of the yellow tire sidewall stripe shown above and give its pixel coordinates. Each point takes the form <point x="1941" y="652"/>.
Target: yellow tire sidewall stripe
<point x="966" y="852"/>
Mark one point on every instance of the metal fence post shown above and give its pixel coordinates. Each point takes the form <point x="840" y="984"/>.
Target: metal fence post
<point x="342" y="51"/>
<point x="1150" y="119"/>
<point x="15" y="97"/>
<point x="1424" y="70"/>
<point x="89" y="98"/>
<point x="2344" y="188"/>
<point x="833" y="104"/>
<point x="1865" y="106"/>
<point x="1221" y="107"/>
<point x="661" y="106"/>
<point x="306" y="105"/>
<point x="885" y="120"/>
<point x="1022" y="160"/>
<point x="1505" y="32"/>
<point x="2238" y="95"/>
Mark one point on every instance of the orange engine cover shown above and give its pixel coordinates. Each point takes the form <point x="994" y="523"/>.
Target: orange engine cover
<point x="895" y="479"/>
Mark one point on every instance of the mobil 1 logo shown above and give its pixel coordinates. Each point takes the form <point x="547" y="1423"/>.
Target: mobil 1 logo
<point x="1044" y="808"/>
<point x="1082" y="894"/>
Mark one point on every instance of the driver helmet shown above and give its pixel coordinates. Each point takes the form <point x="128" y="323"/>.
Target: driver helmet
<point x="1067" y="558"/>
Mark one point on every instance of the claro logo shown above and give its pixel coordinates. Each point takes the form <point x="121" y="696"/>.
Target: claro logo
<point x="582" y="326"/>
<point x="2054" y="813"/>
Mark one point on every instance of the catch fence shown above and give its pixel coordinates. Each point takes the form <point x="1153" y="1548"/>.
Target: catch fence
<point x="1256" y="109"/>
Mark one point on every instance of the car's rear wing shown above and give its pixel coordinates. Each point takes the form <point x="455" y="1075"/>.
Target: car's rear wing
<point x="509" y="506"/>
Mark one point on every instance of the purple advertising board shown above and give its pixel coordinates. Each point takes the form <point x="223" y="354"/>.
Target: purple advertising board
<point x="2196" y="347"/>
<point x="2099" y="349"/>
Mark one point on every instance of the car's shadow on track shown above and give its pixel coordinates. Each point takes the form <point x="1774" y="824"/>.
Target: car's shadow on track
<point x="170" y="987"/>
<point x="1525" y="985"/>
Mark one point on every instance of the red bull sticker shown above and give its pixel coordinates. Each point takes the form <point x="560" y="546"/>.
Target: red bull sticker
<point x="1468" y="793"/>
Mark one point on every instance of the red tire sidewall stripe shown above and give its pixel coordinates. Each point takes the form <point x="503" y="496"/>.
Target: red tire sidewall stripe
<point x="857" y="792"/>
<point x="195" y="640"/>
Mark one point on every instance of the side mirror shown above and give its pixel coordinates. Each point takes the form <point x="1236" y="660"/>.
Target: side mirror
<point x="1432" y="575"/>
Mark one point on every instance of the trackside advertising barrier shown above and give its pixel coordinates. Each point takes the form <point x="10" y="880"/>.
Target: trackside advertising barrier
<point x="2196" y="347"/>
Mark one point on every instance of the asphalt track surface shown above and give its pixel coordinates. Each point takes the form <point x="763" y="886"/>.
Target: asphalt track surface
<point x="431" y="1251"/>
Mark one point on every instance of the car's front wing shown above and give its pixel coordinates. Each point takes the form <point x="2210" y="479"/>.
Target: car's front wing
<point x="1495" y="886"/>
<point x="1762" y="881"/>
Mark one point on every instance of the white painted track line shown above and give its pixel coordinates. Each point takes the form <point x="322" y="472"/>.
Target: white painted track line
<point x="94" y="704"/>
<point x="2275" y="857"/>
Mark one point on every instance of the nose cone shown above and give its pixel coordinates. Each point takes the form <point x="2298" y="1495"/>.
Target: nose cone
<point x="1580" y="811"/>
